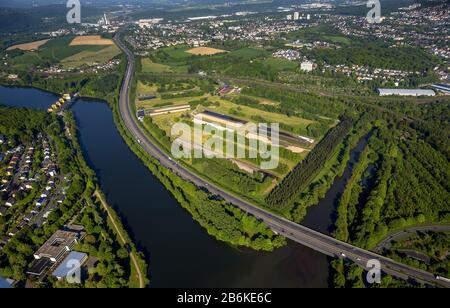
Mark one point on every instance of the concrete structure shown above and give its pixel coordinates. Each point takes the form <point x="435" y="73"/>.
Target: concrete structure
<point x="296" y="16"/>
<point x="307" y="66"/>
<point x="406" y="92"/>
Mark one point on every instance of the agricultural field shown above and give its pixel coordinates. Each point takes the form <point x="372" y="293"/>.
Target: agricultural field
<point x="29" y="46"/>
<point x="91" y="40"/>
<point x="61" y="51"/>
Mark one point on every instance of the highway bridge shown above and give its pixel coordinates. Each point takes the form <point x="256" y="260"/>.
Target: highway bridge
<point x="296" y="232"/>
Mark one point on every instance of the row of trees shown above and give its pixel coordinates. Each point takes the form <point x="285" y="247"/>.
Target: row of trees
<point x="302" y="174"/>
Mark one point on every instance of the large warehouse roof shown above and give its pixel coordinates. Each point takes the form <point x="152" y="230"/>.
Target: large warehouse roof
<point x="69" y="265"/>
<point x="406" y="92"/>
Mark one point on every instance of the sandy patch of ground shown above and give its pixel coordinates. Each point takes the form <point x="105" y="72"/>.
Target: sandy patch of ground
<point x="29" y="46"/>
<point x="205" y="51"/>
<point x="295" y="149"/>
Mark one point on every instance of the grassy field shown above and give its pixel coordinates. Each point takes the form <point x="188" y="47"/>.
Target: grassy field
<point x="148" y="66"/>
<point x="249" y="53"/>
<point x="323" y="33"/>
<point x="91" y="57"/>
<point x="247" y="113"/>
<point x="145" y="90"/>
<point x="281" y="64"/>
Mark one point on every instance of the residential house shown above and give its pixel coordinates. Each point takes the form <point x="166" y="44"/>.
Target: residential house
<point x="10" y="202"/>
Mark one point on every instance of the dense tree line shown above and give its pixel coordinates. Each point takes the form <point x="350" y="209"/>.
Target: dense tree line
<point x="377" y="55"/>
<point x="300" y="176"/>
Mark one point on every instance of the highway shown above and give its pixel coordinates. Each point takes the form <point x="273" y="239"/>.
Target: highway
<point x="296" y="232"/>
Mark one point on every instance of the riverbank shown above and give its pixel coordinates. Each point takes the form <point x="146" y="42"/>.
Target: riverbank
<point x="137" y="276"/>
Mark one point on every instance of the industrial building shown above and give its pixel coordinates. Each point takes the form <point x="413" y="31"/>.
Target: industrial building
<point x="406" y="92"/>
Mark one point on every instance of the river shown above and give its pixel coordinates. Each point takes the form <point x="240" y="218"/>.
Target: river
<point x="180" y="253"/>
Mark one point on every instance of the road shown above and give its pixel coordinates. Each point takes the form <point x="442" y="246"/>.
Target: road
<point x="394" y="236"/>
<point x="296" y="232"/>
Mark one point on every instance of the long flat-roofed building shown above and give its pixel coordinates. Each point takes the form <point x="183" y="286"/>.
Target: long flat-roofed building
<point x="169" y="110"/>
<point x="59" y="244"/>
<point x="210" y="117"/>
<point x="406" y="92"/>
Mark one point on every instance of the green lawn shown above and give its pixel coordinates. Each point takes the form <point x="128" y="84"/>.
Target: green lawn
<point x="91" y="57"/>
<point x="148" y="66"/>
<point x="249" y="53"/>
<point x="281" y="64"/>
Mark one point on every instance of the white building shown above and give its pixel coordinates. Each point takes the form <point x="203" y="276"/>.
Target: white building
<point x="289" y="17"/>
<point x="307" y="66"/>
<point x="406" y="92"/>
<point x="296" y="16"/>
<point x="308" y="17"/>
<point x="146" y="23"/>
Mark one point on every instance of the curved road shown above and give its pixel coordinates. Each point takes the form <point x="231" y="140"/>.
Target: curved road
<point x="386" y="242"/>
<point x="298" y="233"/>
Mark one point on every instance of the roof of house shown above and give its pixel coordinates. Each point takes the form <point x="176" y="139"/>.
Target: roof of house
<point x="70" y="263"/>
